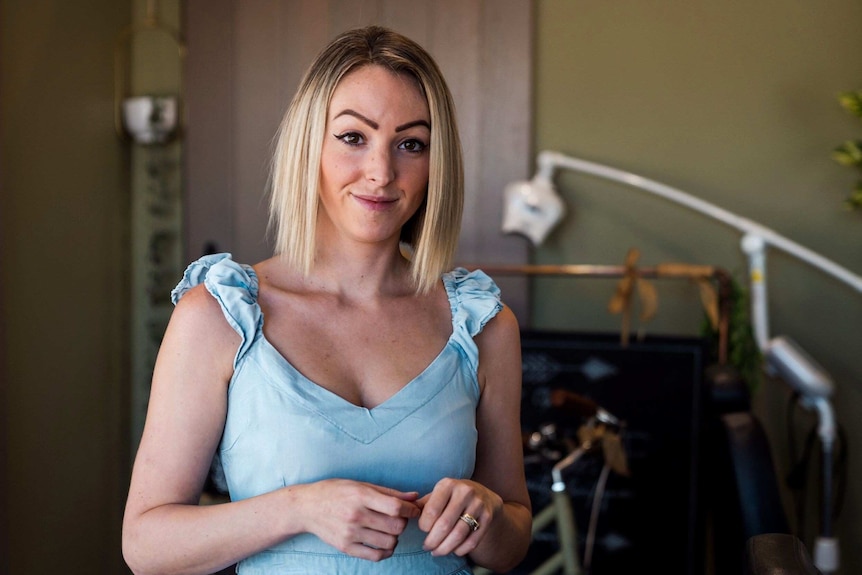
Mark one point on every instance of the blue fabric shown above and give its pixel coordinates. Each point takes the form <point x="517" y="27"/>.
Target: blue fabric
<point x="283" y="429"/>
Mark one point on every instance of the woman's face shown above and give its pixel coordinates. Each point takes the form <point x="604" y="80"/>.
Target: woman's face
<point x="375" y="156"/>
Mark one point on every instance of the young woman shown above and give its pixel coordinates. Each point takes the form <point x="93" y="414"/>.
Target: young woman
<point x="361" y="401"/>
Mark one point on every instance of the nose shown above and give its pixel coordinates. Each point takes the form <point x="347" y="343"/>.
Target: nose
<point x="379" y="166"/>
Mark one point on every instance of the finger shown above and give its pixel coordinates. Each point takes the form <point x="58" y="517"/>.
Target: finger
<point x="394" y="503"/>
<point x="371" y="530"/>
<point x="447" y="532"/>
<point x="469" y="544"/>
<point x="365" y="552"/>
<point x="405" y="495"/>
<point x="460" y="540"/>
<point x="442" y="508"/>
<point x="361" y="507"/>
<point x="409" y="510"/>
<point x="434" y="504"/>
<point x="392" y="526"/>
<point x="377" y="540"/>
<point x="412" y="496"/>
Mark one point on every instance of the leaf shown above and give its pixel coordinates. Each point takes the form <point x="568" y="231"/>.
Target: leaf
<point x="589" y="434"/>
<point x="649" y="299"/>
<point x="615" y="454"/>
<point x="709" y="300"/>
<point x="848" y="153"/>
<point x="854" y="201"/>
<point x="852" y="102"/>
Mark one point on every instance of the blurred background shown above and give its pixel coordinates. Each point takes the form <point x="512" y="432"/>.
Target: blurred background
<point x="735" y="102"/>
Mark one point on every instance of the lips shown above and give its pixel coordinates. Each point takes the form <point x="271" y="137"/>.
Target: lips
<point x="375" y="202"/>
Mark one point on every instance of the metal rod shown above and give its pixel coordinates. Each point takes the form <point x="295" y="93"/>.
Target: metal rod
<point x="661" y="271"/>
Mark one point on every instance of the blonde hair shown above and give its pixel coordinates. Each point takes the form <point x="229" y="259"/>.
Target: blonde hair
<point x="432" y="233"/>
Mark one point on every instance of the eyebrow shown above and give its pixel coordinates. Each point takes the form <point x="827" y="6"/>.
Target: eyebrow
<point x="376" y="126"/>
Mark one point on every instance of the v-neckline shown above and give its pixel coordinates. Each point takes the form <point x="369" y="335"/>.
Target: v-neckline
<point x="327" y="394"/>
<point x="362" y="423"/>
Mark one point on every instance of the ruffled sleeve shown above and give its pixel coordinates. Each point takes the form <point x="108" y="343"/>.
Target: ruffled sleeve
<point x="235" y="287"/>
<point x="474" y="299"/>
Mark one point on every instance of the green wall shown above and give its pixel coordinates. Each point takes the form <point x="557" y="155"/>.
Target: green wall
<point x="733" y="102"/>
<point x="63" y="216"/>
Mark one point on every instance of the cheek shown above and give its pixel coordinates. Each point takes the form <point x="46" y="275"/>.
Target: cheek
<point x="335" y="171"/>
<point x="419" y="176"/>
<point x="333" y="161"/>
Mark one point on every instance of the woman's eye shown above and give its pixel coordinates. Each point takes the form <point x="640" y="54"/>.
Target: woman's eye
<point x="414" y="146"/>
<point x="350" y="138"/>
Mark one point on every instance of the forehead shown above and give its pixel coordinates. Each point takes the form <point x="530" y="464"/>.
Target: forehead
<point x="379" y="88"/>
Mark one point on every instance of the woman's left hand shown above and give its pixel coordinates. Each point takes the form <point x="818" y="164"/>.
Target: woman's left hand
<point x="442" y="512"/>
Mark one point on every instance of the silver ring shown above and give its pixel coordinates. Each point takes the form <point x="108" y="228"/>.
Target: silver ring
<point x="470" y="521"/>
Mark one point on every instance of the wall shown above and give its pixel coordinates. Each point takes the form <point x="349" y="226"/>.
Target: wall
<point x="734" y="102"/>
<point x="63" y="214"/>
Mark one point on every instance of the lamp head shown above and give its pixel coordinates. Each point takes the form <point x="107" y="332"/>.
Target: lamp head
<point x="150" y="119"/>
<point x="788" y="361"/>
<point x="532" y="208"/>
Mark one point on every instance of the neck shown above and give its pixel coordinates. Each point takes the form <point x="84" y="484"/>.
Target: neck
<point x="361" y="272"/>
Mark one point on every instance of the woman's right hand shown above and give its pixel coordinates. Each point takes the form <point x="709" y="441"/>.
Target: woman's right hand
<point x="359" y="519"/>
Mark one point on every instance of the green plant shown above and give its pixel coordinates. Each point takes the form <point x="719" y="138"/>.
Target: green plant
<point x="849" y="153"/>
<point x="743" y="353"/>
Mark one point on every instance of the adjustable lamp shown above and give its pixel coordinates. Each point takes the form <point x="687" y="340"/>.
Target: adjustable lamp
<point x="531" y="206"/>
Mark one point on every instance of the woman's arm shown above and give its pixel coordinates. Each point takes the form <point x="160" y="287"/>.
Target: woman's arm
<point x="497" y="496"/>
<point x="166" y="531"/>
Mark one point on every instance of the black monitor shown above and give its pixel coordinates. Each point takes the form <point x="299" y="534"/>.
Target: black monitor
<point x="652" y="519"/>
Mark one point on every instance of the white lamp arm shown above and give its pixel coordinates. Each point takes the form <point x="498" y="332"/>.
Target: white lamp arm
<point x="548" y="161"/>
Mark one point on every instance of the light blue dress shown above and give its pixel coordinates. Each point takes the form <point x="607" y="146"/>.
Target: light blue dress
<point x="283" y="429"/>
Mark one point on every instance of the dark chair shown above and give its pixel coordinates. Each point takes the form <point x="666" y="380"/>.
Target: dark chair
<point x="778" y="554"/>
<point x="749" y="526"/>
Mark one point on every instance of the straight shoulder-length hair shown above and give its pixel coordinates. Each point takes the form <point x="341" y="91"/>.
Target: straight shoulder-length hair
<point x="431" y="235"/>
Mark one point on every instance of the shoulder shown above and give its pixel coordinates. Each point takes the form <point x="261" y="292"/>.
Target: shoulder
<point x="198" y="318"/>
<point x="499" y="348"/>
<point x="216" y="307"/>
<point x="502" y="334"/>
<point x="197" y="303"/>
<point x="196" y="349"/>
